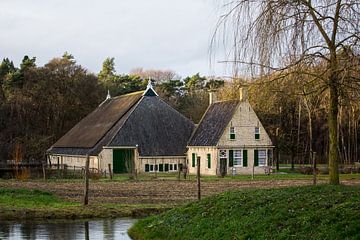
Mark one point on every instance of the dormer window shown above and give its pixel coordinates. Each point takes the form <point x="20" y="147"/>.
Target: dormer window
<point x="232" y="133"/>
<point x="257" y="133"/>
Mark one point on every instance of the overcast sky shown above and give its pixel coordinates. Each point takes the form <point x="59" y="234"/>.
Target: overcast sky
<point x="153" y="34"/>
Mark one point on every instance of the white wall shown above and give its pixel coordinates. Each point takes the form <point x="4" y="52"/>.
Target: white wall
<point x="244" y="121"/>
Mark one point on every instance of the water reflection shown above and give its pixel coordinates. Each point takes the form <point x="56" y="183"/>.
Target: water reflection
<point x="53" y="230"/>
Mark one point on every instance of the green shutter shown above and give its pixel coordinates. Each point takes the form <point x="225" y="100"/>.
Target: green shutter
<point x="232" y="136"/>
<point x="245" y="158"/>
<point x="257" y="136"/>
<point x="209" y="160"/>
<point x="193" y="159"/>
<point x="147" y="168"/>
<point x="161" y="167"/>
<point x="166" y="167"/>
<point x="256" y="157"/>
<point x="231" y="158"/>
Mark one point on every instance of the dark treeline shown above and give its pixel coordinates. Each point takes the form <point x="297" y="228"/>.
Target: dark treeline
<point x="293" y="107"/>
<point x="39" y="104"/>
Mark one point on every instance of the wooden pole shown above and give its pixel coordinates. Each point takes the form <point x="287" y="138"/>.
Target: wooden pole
<point x="86" y="190"/>
<point x="314" y="167"/>
<point x="178" y="167"/>
<point x="110" y="172"/>
<point x="253" y="171"/>
<point x="198" y="179"/>
<point x="44" y="171"/>
<point x="155" y="170"/>
<point x="87" y="236"/>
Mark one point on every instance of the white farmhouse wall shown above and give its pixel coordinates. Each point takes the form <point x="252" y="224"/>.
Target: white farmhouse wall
<point x="244" y="121"/>
<point x="74" y="161"/>
<point x="106" y="158"/>
<point x="202" y="153"/>
<point x="159" y="160"/>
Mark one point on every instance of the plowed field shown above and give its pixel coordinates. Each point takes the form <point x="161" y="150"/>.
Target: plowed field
<point x="152" y="192"/>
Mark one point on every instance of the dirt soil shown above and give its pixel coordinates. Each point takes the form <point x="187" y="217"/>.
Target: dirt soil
<point x="148" y="192"/>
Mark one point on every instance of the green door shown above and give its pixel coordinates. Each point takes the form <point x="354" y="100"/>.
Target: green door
<point x="123" y="160"/>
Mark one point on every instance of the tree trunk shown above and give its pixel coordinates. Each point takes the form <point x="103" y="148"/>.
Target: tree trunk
<point x="333" y="133"/>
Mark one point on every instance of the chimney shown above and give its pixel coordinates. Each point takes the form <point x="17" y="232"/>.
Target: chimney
<point x="212" y="97"/>
<point x="243" y="93"/>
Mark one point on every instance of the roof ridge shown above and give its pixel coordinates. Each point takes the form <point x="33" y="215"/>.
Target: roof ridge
<point x="128" y="94"/>
<point x="132" y="109"/>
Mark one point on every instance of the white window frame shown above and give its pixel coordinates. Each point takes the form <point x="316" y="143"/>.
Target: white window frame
<point x="262" y="157"/>
<point x="238" y="159"/>
<point x="232" y="131"/>
<point x="155" y="169"/>
<point x="257" y="131"/>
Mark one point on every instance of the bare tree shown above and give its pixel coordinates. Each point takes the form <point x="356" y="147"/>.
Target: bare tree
<point x="281" y="35"/>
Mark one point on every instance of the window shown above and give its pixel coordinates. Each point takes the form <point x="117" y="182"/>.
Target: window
<point x="147" y="167"/>
<point x="209" y="160"/>
<point x="259" y="157"/>
<point x="232" y="133"/>
<point x="161" y="167"/>
<point x="166" y="167"/>
<point x="238" y="158"/>
<point x="175" y="167"/>
<point x="171" y="167"/>
<point x="257" y="133"/>
<point x="151" y="168"/>
<point x="262" y="157"/>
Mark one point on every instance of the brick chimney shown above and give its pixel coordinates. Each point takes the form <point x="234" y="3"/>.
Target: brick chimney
<point x="243" y="93"/>
<point x="212" y="97"/>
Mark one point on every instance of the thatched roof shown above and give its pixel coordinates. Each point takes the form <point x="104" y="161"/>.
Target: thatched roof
<point x="213" y="123"/>
<point x="157" y="129"/>
<point x="141" y="119"/>
<point x="94" y="126"/>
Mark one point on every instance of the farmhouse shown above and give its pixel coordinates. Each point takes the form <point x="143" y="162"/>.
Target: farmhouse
<point x="229" y="139"/>
<point x="137" y="131"/>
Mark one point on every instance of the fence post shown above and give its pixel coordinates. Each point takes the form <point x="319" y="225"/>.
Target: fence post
<point x="44" y="171"/>
<point x="198" y="179"/>
<point x="86" y="190"/>
<point x="313" y="156"/>
<point x="110" y="173"/>
<point x="178" y="168"/>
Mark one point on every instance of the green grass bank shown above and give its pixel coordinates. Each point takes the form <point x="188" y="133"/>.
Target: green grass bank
<point x="22" y="204"/>
<point x="309" y="212"/>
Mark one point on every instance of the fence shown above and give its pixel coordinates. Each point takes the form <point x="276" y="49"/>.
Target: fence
<point x="38" y="170"/>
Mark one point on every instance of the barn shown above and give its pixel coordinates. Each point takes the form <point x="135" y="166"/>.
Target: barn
<point x="136" y="131"/>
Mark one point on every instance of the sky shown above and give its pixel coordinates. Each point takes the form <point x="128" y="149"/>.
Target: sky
<point x="152" y="34"/>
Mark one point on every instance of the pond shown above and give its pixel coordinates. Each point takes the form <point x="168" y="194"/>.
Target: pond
<point x="68" y="229"/>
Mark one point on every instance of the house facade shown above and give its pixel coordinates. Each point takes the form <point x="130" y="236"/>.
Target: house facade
<point x="134" y="132"/>
<point x="230" y="140"/>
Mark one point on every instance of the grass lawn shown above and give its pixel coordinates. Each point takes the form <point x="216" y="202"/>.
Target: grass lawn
<point x="309" y="212"/>
<point x="18" y="204"/>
